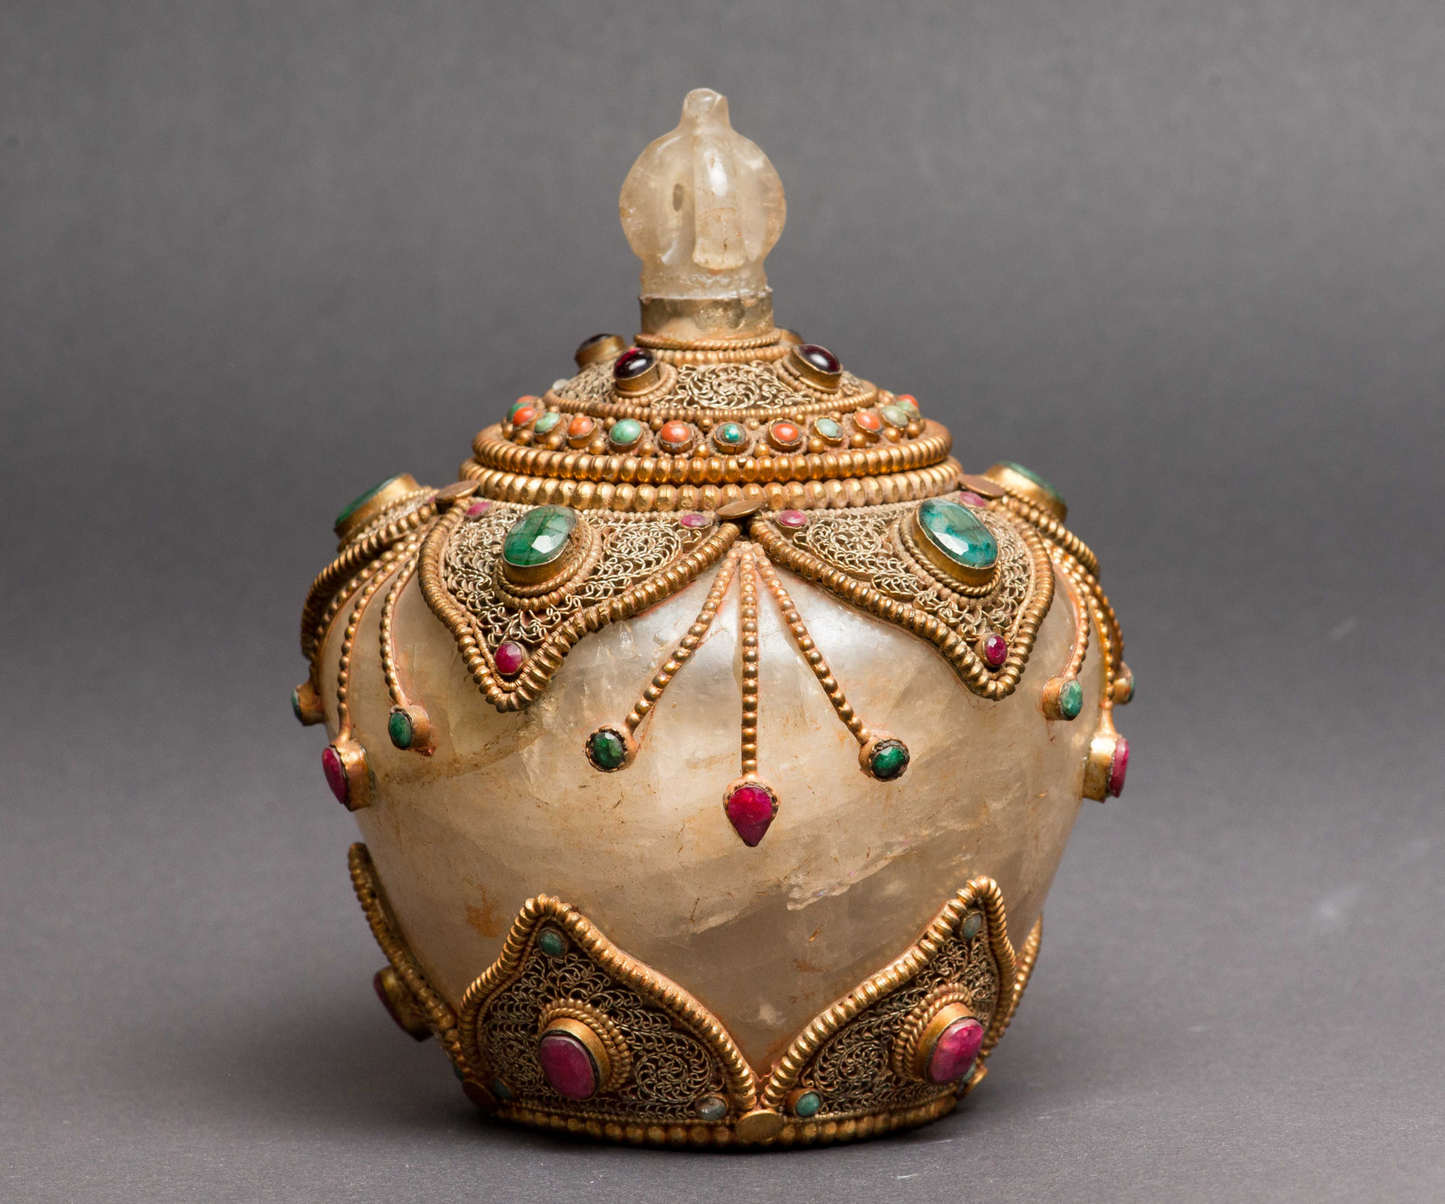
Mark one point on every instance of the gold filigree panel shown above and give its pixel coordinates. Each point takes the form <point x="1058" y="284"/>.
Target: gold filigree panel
<point x="640" y="560"/>
<point x="862" y="557"/>
<point x="675" y="1075"/>
<point x="847" y="1055"/>
<point x="680" y="1059"/>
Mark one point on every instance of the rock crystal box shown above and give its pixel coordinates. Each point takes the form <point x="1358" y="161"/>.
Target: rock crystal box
<point x="714" y="739"/>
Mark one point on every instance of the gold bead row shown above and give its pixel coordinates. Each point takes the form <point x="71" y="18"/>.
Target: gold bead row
<point x="358" y="553"/>
<point x="440" y="1017"/>
<point x="348" y="639"/>
<point x="678" y="344"/>
<point x="799" y="631"/>
<point x="492" y="450"/>
<point x="1084" y="560"/>
<point x="833" y="494"/>
<point x="1054" y="531"/>
<point x="701" y="1134"/>
<point x="688" y="644"/>
<point x="387" y="637"/>
<point x="748" y="628"/>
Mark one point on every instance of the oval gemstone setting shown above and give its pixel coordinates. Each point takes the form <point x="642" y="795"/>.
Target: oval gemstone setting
<point x="625" y="432"/>
<point x="954" y="1051"/>
<point x="955" y="532"/>
<point x="568" y="1065"/>
<point x="539" y="537"/>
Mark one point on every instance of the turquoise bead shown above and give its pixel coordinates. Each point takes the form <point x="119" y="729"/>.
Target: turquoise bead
<point x="828" y="429"/>
<point x="1034" y="477"/>
<point x="545" y="423"/>
<point x="1071" y="699"/>
<point x="712" y="1107"/>
<point x="625" y="432"/>
<point x="730" y="433"/>
<point x="539" y="537"/>
<point x="807" y="1105"/>
<point x="955" y="532"/>
<point x="896" y="416"/>
<point x="972" y="924"/>
<point x="551" y="943"/>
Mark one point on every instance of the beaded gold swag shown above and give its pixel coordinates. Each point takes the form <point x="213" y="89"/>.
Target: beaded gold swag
<point x="724" y="470"/>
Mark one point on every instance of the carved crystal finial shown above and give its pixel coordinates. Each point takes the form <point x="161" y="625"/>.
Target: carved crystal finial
<point x="702" y="207"/>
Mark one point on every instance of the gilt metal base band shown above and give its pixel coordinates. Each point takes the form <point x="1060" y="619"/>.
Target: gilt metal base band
<point x="565" y="1031"/>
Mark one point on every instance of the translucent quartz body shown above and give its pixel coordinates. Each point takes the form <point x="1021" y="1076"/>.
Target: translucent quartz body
<point x="702" y="207"/>
<point x="851" y="870"/>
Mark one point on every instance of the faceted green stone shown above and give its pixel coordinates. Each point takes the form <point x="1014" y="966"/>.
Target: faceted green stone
<point x="889" y="759"/>
<point x="625" y="432"/>
<point x="551" y="943"/>
<point x="398" y="727"/>
<point x="1033" y="476"/>
<point x="955" y="532"/>
<point x="1071" y="699"/>
<point x="972" y="923"/>
<point x="730" y="432"/>
<point x="363" y="499"/>
<point x="606" y="749"/>
<point x="896" y="416"/>
<point x="828" y="428"/>
<point x="545" y="423"/>
<point x="807" y="1105"/>
<point x="539" y="537"/>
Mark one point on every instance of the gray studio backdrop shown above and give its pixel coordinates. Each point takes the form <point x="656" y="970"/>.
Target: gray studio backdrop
<point x="1188" y="260"/>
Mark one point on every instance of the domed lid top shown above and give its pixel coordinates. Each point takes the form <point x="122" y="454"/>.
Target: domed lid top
<point x="711" y="402"/>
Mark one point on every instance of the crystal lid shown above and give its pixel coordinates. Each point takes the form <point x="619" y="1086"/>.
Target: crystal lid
<point x="711" y="403"/>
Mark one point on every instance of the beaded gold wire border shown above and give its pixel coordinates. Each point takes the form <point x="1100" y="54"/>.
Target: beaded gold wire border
<point x="440" y="1017"/>
<point x="326" y="592"/>
<point x="754" y="1100"/>
<point x="982" y="892"/>
<point x="491" y="450"/>
<point x="547" y="658"/>
<point x="956" y="650"/>
<point x="686" y="1012"/>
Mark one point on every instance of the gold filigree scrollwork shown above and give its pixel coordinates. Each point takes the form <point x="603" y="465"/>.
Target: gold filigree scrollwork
<point x="644" y="559"/>
<point x="733" y="387"/>
<point x="851" y="554"/>
<point x="679" y="1058"/>
<point x="848" y="1055"/>
<point x="673" y="1075"/>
